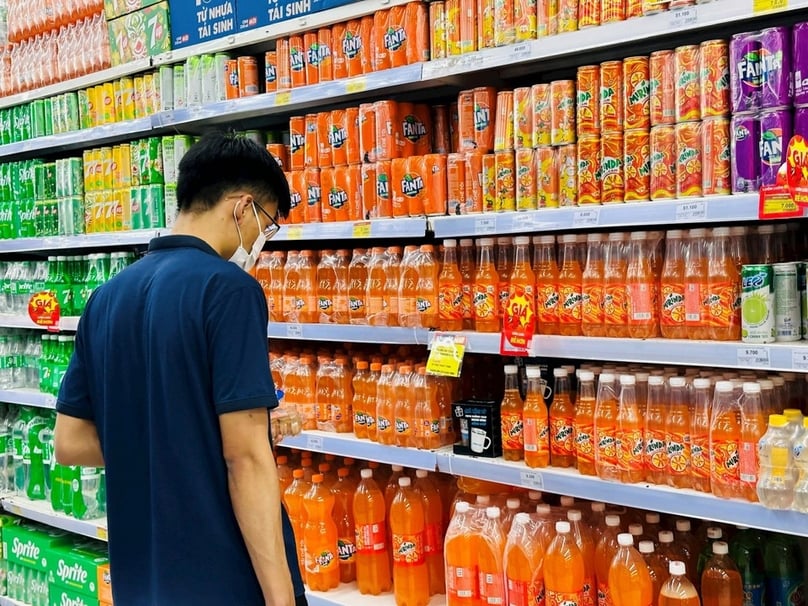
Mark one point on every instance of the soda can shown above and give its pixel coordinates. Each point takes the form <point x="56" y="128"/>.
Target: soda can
<point x="524" y="19"/>
<point x="313" y="211"/>
<point x="354" y="183"/>
<point x="336" y="186"/>
<point x="48" y="116"/>
<point x="352" y="135"/>
<point x="474" y="192"/>
<point x="416" y="187"/>
<point x="503" y="126"/>
<point x="413" y="129"/>
<point x="368" y="189"/>
<point x="337" y="137"/>
<point x="297" y="143"/>
<point x="506" y="181"/>
<point x="386" y="123"/>
<point x="526" y="179"/>
<point x="522" y="118"/>
<point x="355" y="47"/>
<point x="612" y="10"/>
<point x="116" y="88"/>
<point x="339" y="36"/>
<point x="232" y="89"/>
<point x="745" y="72"/>
<point x="416" y="25"/>
<point x="384" y="193"/>
<point x="279" y="152"/>
<point x="452" y="21"/>
<point x="437" y="20"/>
<point x="324" y="146"/>
<point x="589" y="170"/>
<point x="504" y="28"/>
<point x="688" y="89"/>
<point x="775" y="134"/>
<point x="636" y="93"/>
<point x="567" y="160"/>
<point x="633" y="9"/>
<point x="107" y="181"/>
<point x="367" y="57"/>
<point x="270" y="71"/>
<point x="562" y="112"/>
<point x="715" y="135"/>
<point x="653" y="7"/>
<point x="745" y="153"/>
<point x="484" y="11"/>
<point x="663" y="162"/>
<point x="325" y="54"/>
<point x="435" y="202"/>
<point x="587" y="112"/>
<point x="180" y="91"/>
<point x="125" y="165"/>
<point x="297" y="196"/>
<point x="466" y="140"/>
<point x="787" y="304"/>
<point x="297" y="62"/>
<point x="248" y="76"/>
<point x="588" y="13"/>
<point x="284" y="64"/>
<point x="441" y="131"/>
<point x="398" y="174"/>
<point x="84" y="109"/>
<point x="714" y="79"/>
<point x="456" y="183"/>
<point x="150" y="98"/>
<point x="395" y="39"/>
<point x="311" y="146"/>
<point x="546" y="18"/>
<point x="689" y="160"/>
<point x="801" y="121"/>
<point x="367" y="133"/>
<point x="567" y="16"/>
<point x="637" y="165"/>
<point x="311" y="52"/>
<point x="611" y="167"/>
<point x="541" y="104"/>
<point x="547" y="176"/>
<point x="612" y="111"/>
<point x="108" y="100"/>
<point x="37" y="109"/>
<point x="193" y="80"/>
<point x="799" y="63"/>
<point x="777" y="83"/>
<point x="166" y="78"/>
<point x="127" y="98"/>
<point x="484" y="109"/>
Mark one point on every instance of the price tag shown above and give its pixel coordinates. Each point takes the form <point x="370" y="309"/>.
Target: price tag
<point x="361" y="229"/>
<point x="472" y="61"/>
<point x="44" y="310"/>
<point x="283" y="97"/>
<point x="532" y="480"/>
<point x="446" y="355"/>
<point x="521" y="50"/>
<point x="314" y="443"/>
<point x="16" y="509"/>
<point x="754" y="357"/>
<point x="682" y="17"/>
<point x="586" y="218"/>
<point x="485" y="225"/>
<point x="691" y="211"/>
<point x="294" y="331"/>
<point x="356" y="85"/>
<point x="294" y="232"/>
<point x="523" y="222"/>
<point x="101" y="533"/>
<point x="764" y="6"/>
<point x="799" y="359"/>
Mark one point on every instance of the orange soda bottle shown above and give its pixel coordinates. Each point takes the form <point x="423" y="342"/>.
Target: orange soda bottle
<point x="343" y="490"/>
<point x="678" y="590"/>
<point x="545" y="268"/>
<point x="630" y="582"/>
<point x="467" y="272"/>
<point x="377" y="313"/>
<point x="592" y="287"/>
<point x="677" y="434"/>
<point x="721" y="583"/>
<point x="615" y="304"/>
<point x="433" y="533"/>
<point x="522" y="285"/>
<point x="723" y="290"/>
<point x="641" y="290"/>
<point x="656" y="446"/>
<point x="536" y="422"/>
<point x="606" y="410"/>
<point x="562" y="421"/>
<point x="426" y="301"/>
<point x="696" y="311"/>
<point x="404" y="407"/>
<point x="306" y="300"/>
<point x="326" y="278"/>
<point x="341" y="282"/>
<point x="371" y="395"/>
<point x="427" y="412"/>
<point x="360" y="399"/>
<point x="725" y="440"/>
<point x="511" y="414"/>
<point x="450" y="290"/>
<point x="569" y="288"/>
<point x="261" y="272"/>
<point x="584" y="425"/>
<point x="307" y="377"/>
<point x="504" y="266"/>
<point x="630" y="442"/>
<point x="490" y="559"/>
<point x="320" y="538"/>
<point x="655" y="568"/>
<point x="605" y="550"/>
<point x="524" y="559"/>
<point x="700" y="434"/>
<point x="293" y="500"/>
<point x="392" y="277"/>
<point x="688" y="546"/>
<point x="372" y="552"/>
<point x="408" y="525"/>
<point x="342" y="415"/>
<point x="324" y="398"/>
<point x="385" y="411"/>
<point x="275" y="286"/>
<point x="291" y="277"/>
<point x="485" y="297"/>
<point x="357" y="287"/>
<point x="284" y="472"/>
<point x="564" y="569"/>
<point x="672" y="288"/>
<point x="753" y="426"/>
<point x="408" y="286"/>
<point x="586" y="543"/>
<point x="460" y="553"/>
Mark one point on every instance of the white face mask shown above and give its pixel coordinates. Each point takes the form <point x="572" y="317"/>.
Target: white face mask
<point x="247" y="260"/>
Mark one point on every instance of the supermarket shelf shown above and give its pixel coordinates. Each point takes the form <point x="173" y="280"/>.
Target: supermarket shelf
<point x="348" y="595"/>
<point x="7" y="601"/>
<point x="28" y="397"/>
<point x="654" y="498"/>
<point x="476" y="342"/>
<point x="719" y="209"/>
<point x="40" y="511"/>
<point x="379" y="228"/>
<point x="348" y="333"/>
<point x="348" y="445"/>
<point x="68" y="323"/>
<point x="102" y="240"/>
<point x="106" y="75"/>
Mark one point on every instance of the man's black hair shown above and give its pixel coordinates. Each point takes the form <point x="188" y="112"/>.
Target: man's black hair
<point x="222" y="163"/>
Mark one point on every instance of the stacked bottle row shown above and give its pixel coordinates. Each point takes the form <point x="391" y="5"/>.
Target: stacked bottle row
<point x="20" y="363"/>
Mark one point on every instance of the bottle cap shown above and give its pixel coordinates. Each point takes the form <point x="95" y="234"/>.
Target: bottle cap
<point x="567" y="501"/>
<point x="404" y="482"/>
<point x="724" y="387"/>
<point x="522" y="240"/>
<point x="568" y="239"/>
<point x="673" y="234"/>
<point x="606" y="377"/>
<point x="543" y="509"/>
<point x="656" y="380"/>
<point x="665" y="536"/>
<point x="343" y="472"/>
<point x="397" y="467"/>
<point x="559" y="372"/>
<point x="466" y="242"/>
<point x="483" y="499"/>
<point x="492" y="513"/>
<point x="562" y="527"/>
<point x="639" y="235"/>
<point x="677" y="568"/>
<point x="462" y="507"/>
<point x="450" y="243"/>
<point x="598" y="507"/>
<point x="533" y="373"/>
<point x="714" y="533"/>
<point x="682" y="525"/>
<point x="544" y="239"/>
<point x="534" y="495"/>
<point x="317" y="478"/>
<point x="720" y="548"/>
<point x="751" y="387"/>
<point x="720" y="232"/>
<point x="366" y="474"/>
<point x="646" y="547"/>
<point x="421" y="473"/>
<point x="701" y="383"/>
<point x="627" y="380"/>
<point x="298" y="473"/>
<point x="625" y="540"/>
<point x="573" y="515"/>
<point x="777" y="421"/>
<point x="511" y="369"/>
<point x="596" y="237"/>
<point x="512" y="503"/>
<point x="521" y="518"/>
<point x="485" y="242"/>
<point x="612" y="521"/>
<point x="652" y="518"/>
<point x="635" y="530"/>
<point x="677" y="381"/>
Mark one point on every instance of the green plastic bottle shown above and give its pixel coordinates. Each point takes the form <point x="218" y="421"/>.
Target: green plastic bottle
<point x="784" y="571"/>
<point x="746" y="550"/>
<point x="37" y="429"/>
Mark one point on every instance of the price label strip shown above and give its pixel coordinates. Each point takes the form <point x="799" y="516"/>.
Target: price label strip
<point x="294" y="232"/>
<point x="586" y="218"/>
<point x="764" y="6"/>
<point x="361" y="229"/>
<point x="683" y="17"/>
<point x="691" y="211"/>
<point x="314" y="443"/>
<point x="757" y="357"/>
<point x="446" y="355"/>
<point x="532" y="480"/>
<point x="799" y="359"/>
<point x="294" y="331"/>
<point x="484" y="226"/>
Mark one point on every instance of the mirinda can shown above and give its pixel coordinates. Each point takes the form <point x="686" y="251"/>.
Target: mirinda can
<point x="567" y="162"/>
<point x="297" y="143"/>
<point x="526" y="189"/>
<point x="441" y="131"/>
<point x="524" y="19"/>
<point x="688" y="91"/>
<point x="483" y="15"/>
<point x="367" y="133"/>
<point x="589" y="170"/>
<point x="435" y="201"/>
<point x="325" y="54"/>
<point x="298" y="195"/>
<point x="587" y="112"/>
<point x="452" y="16"/>
<point x="506" y="181"/>
<point x="484" y="109"/>
<point x="612" y="10"/>
<point x="714" y="79"/>
<point x="562" y="112"/>
<point x="611" y="167"/>
<point x="338" y="137"/>
<point x="456" y="183"/>
<point x="439" y="38"/>
<point x="541" y="104"/>
<point x="612" y="112"/>
<point x="663" y="87"/>
<point x="398" y="173"/>
<point x="567" y="16"/>
<point x="386" y="129"/>
<point x="634" y="8"/>
<point x="547" y="177"/>
<point x="636" y="93"/>
<point x="637" y="165"/>
<point x="324" y="150"/>
<point x="312" y="54"/>
<point x="504" y="29"/>
<point x="547" y="18"/>
<point x="352" y="135"/>
<point x="278" y="151"/>
<point x="689" y="160"/>
<point x="311" y="146"/>
<point x="473" y="164"/>
<point x="663" y="162"/>
<point x="313" y="212"/>
<point x="297" y="61"/>
<point x="384" y="190"/>
<point x="488" y="183"/>
<point x="284" y="64"/>
<point x="716" y="144"/>
<point x="503" y="127"/>
<point x="588" y="13"/>
<point x="270" y="71"/>
<point x="522" y="118"/>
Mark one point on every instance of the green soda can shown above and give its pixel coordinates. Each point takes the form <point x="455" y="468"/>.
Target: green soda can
<point x="135" y="163"/>
<point x="26" y="122"/>
<point x="147" y="206"/>
<point x="136" y="204"/>
<point x="40" y="177"/>
<point x="193" y="81"/>
<point x="72" y="119"/>
<point x="170" y="204"/>
<point x="180" y="91"/>
<point x="5" y="181"/>
<point x="48" y="116"/>
<point x="84" y="108"/>
<point x="757" y="304"/>
<point x="169" y="163"/>
<point x="221" y="60"/>
<point x="156" y="206"/>
<point x="38" y="118"/>
<point x="166" y="79"/>
<point x="154" y="158"/>
<point x="27" y="218"/>
<point x="5" y="126"/>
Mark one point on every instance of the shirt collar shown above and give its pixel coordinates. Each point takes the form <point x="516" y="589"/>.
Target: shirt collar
<point x="169" y="242"/>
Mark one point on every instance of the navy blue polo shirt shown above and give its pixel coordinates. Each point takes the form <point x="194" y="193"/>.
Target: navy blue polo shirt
<point x="162" y="350"/>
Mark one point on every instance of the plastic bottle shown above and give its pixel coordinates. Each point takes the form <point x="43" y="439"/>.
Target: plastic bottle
<point x="746" y="550"/>
<point x="641" y="290"/>
<point x="677" y="434"/>
<point x="545" y="269"/>
<point x="512" y="506"/>
<point x="450" y="290"/>
<point x="467" y="272"/>
<point x="630" y="443"/>
<point x="520" y="301"/>
<point x="606" y="410"/>
<point x="360" y="399"/>
<point x="656" y="568"/>
<point x="696" y="284"/>
<point x="341" y="283"/>
<point x="723" y="288"/>
<point x="721" y="582"/>
<point x="371" y="400"/>
<point x="306" y="300"/>
<point x="687" y="546"/>
<point x="585" y="423"/>
<point x="605" y="551"/>
<point x="511" y="412"/>
<point x="291" y="278"/>
<point x="700" y="434"/>
<point x="536" y="422"/>
<point x="656" y="450"/>
<point x="426" y="299"/>
<point x="408" y="526"/>
<point x="462" y="587"/>
<point x="274" y="288"/>
<point x="385" y="407"/>
<point x="678" y="590"/>
<point x="672" y="288"/>
<point x="753" y="426"/>
<point x="564" y="568"/>
<point x="714" y="534"/>
<point x="320" y="538"/>
<point x="725" y="439"/>
<point x="586" y="543"/>
<point x="630" y="582"/>
<point x="376" y="304"/>
<point x="343" y="491"/>
<point x="372" y="551"/>
<point x="784" y="571"/>
<point x="433" y="531"/>
<point x="504" y="267"/>
<point x="33" y="461"/>
<point x="404" y="407"/>
<point x="357" y="287"/>
<point x="615" y="304"/>
<point x="562" y="420"/>
<point x="326" y="277"/>
<point x="485" y="302"/>
<point x="524" y="563"/>
<point x="569" y="288"/>
<point x="800" y="453"/>
<point x="490" y="559"/>
<point x="776" y="485"/>
<point x="592" y="287"/>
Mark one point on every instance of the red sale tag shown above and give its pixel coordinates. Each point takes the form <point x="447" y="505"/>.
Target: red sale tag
<point x="519" y="321"/>
<point x="797" y="170"/>
<point x="43" y="309"/>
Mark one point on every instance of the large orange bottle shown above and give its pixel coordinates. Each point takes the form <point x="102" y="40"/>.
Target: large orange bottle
<point x="564" y="568"/>
<point x="630" y="582"/>
<point x="672" y="288"/>
<point x="467" y="271"/>
<point x="392" y="278"/>
<point x="521" y="297"/>
<point x="433" y="533"/>
<point x="700" y="398"/>
<point x="586" y="543"/>
<point x="377" y="313"/>
<point x="725" y="441"/>
<point x="408" y="525"/>
<point x="427" y="412"/>
<point x="291" y="278"/>
<point x="460" y="553"/>
<point x="343" y="490"/>
<point x="545" y="268"/>
<point x="320" y="538"/>
<point x="504" y="265"/>
<point x="656" y="447"/>
<point x="360" y="399"/>
<point x="678" y="590"/>
<point x="641" y="290"/>
<point x="385" y="408"/>
<point x="753" y="426"/>
<point x="592" y="287"/>
<point x="569" y="287"/>
<point x="721" y="583"/>
<point x="536" y="422"/>
<point x="485" y="297"/>
<point x="293" y="500"/>
<point x="524" y="563"/>
<point x="677" y="434"/>
<point x="615" y="304"/>
<point x="408" y="287"/>
<point x="606" y="409"/>
<point x="562" y="422"/>
<point x="630" y="443"/>
<point x="656" y="568"/>
<point x="450" y="290"/>
<point x="326" y="282"/>
<point x="341" y="282"/>
<point x="490" y="559"/>
<point x="426" y="302"/>
<point x="605" y="551"/>
<point x="584" y="425"/>
<point x="372" y="551"/>
<point x="284" y="473"/>
<point x="696" y="284"/>
<point x="511" y="412"/>
<point x="723" y="290"/>
<point x="357" y="287"/>
<point x="275" y="286"/>
<point x="404" y="407"/>
<point x="307" y="380"/>
<point x="306" y="300"/>
<point x="372" y="393"/>
<point x="342" y="415"/>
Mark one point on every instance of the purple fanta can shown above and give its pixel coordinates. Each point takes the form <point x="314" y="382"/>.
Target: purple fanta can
<point x="775" y="62"/>
<point x="800" y="63"/>
<point x="745" y="72"/>
<point x="801" y="121"/>
<point x="745" y="154"/>
<point x="775" y="133"/>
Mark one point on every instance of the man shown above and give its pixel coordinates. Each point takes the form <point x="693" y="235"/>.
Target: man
<point x="169" y="388"/>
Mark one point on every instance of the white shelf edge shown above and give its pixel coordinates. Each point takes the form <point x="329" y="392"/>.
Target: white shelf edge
<point x="68" y="323"/>
<point x="350" y="333"/>
<point x="415" y="227"/>
<point x="347" y="594"/>
<point x="28" y="397"/>
<point x="39" y="511"/>
<point x="99" y="240"/>
<point x="7" y="601"/>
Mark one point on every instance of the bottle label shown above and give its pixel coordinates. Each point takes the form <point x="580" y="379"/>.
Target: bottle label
<point x="642" y="303"/>
<point x="492" y="588"/>
<point x="547" y="303"/>
<point x="375" y="305"/>
<point x="408" y="549"/>
<point x="562" y="436"/>
<point x="673" y="304"/>
<point x="570" y="297"/>
<point x="585" y="442"/>
<point x="590" y="594"/>
<point x="371" y="538"/>
<point x="604" y="599"/>
<point x="656" y="454"/>
<point x="450" y="301"/>
<point x="383" y="425"/>
<point x="403" y="429"/>
<point x="678" y="446"/>
<point x="325" y="305"/>
<point x="694" y="302"/>
<point x="467" y="307"/>
<point x="592" y="304"/>
<point x="503" y="289"/>
<point x="559" y="598"/>
<point x="320" y="562"/>
<point x="462" y="582"/>
<point x="606" y="453"/>
<point x="754" y="594"/>
<point x="699" y="460"/>
<point x="356" y="306"/>
<point x="778" y="459"/>
<point x="346" y="548"/>
<point x="785" y="591"/>
<point x="512" y="432"/>
<point x="537" y="435"/>
<point x="486" y="305"/>
<point x="630" y="448"/>
<point x="748" y="463"/>
<point x="615" y="308"/>
<point x="432" y="539"/>
<point x="720" y="304"/>
<point x="518" y="593"/>
<point x="724" y="462"/>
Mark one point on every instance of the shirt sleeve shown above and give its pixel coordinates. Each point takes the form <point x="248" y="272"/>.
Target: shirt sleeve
<point x="238" y="352"/>
<point x="74" y="393"/>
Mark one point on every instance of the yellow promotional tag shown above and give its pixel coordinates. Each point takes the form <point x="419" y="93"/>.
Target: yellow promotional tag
<point x="764" y="6"/>
<point x="101" y="533"/>
<point x="446" y="355"/>
<point x="361" y="229"/>
<point x="356" y="85"/>
<point x="283" y="98"/>
<point x="294" y="232"/>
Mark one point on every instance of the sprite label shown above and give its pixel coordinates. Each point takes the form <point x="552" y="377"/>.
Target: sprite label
<point x="757" y="304"/>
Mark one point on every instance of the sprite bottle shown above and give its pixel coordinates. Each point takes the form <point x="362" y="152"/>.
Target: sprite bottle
<point x="36" y="430"/>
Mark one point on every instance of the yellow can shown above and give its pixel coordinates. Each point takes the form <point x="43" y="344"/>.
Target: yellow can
<point x="149" y="95"/>
<point x="547" y="177"/>
<point x="93" y="103"/>
<point x="525" y="179"/>
<point x="108" y="103"/>
<point x="87" y="159"/>
<point x="106" y="168"/>
<point x="118" y="93"/>
<point x="125" y="166"/>
<point x="127" y="98"/>
<point x="125" y="196"/>
<point x="489" y="183"/>
<point x="140" y="97"/>
<point x="506" y="181"/>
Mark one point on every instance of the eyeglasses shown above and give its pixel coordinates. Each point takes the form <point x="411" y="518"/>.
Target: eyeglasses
<point x="273" y="227"/>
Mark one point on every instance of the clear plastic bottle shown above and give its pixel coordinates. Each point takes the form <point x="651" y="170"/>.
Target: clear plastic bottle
<point x="630" y="581"/>
<point x="723" y="289"/>
<point x="536" y="422"/>
<point x="511" y="417"/>
<point x="585" y="423"/>
<point x="672" y="288"/>
<point x="562" y="420"/>
<point x="695" y="277"/>
<point x="484" y="297"/>
<point x="753" y="427"/>
<point x="569" y="288"/>
<point x="656" y="453"/>
<point x="656" y="568"/>
<point x="800" y="451"/>
<point x="592" y="287"/>
<point x="545" y="267"/>
<point x="701" y="404"/>
<point x="615" y="309"/>
<point x="725" y="438"/>
<point x="677" y="434"/>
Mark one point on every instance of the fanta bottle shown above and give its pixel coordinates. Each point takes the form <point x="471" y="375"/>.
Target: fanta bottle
<point x="307" y="378"/>
<point x="490" y="559"/>
<point x="569" y="288"/>
<point x="326" y="278"/>
<point x="467" y="272"/>
<point x="426" y="301"/>
<point x="630" y="582"/>
<point x="586" y="543"/>
<point x="342" y="415"/>
<point x="536" y="422"/>
<point x="677" y="434"/>
<point x="391" y="488"/>
<point x="656" y="453"/>
<point x="524" y="563"/>
<point x="325" y="384"/>
<point x="700" y="434"/>
<point x="545" y="269"/>
<point x="606" y="410"/>
<point x="407" y="286"/>
<point x="485" y="301"/>
<point x="592" y="287"/>
<point x="341" y="282"/>
<point x="274" y="290"/>
<point x="585" y="424"/>
<point x="404" y="406"/>
<point x="678" y="590"/>
<point x="511" y="414"/>
<point x="291" y="279"/>
<point x="721" y="583"/>
<point x="562" y="421"/>
<point x="343" y="490"/>
<point x="450" y="290"/>
<point x="723" y="289"/>
<point x="392" y="279"/>
<point x="605" y="550"/>
<point x="696" y="284"/>
<point x="641" y="290"/>
<point x="377" y="312"/>
<point x="428" y="412"/>
<point x="725" y="439"/>
<point x="504" y="267"/>
<point x="360" y="399"/>
<point x="371" y="402"/>
<point x="630" y="442"/>
<point x="357" y="287"/>
<point x="306" y="300"/>
<point x="460" y="553"/>
<point x="408" y="526"/>
<point x="564" y="568"/>
<point x="655" y="568"/>
<point x="433" y="533"/>
<point x="615" y="305"/>
<point x="753" y="426"/>
<point x="293" y="500"/>
<point x="672" y="288"/>
<point x="385" y="407"/>
<point x="284" y="472"/>
<point x="320" y="538"/>
<point x="372" y="551"/>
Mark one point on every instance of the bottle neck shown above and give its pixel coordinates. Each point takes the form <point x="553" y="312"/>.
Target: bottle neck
<point x="520" y="256"/>
<point x="511" y="382"/>
<point x="449" y="256"/>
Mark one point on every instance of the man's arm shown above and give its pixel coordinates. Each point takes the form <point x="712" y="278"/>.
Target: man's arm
<point x="255" y="494"/>
<point x="76" y="442"/>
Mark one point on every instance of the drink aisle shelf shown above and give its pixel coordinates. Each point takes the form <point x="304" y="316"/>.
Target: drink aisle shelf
<point x="69" y="323"/>
<point x="348" y="595"/>
<point x="28" y="397"/>
<point x="348" y="333"/>
<point x="98" y="240"/>
<point x="7" y="601"/>
<point x="40" y="511"/>
<point x="355" y="230"/>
